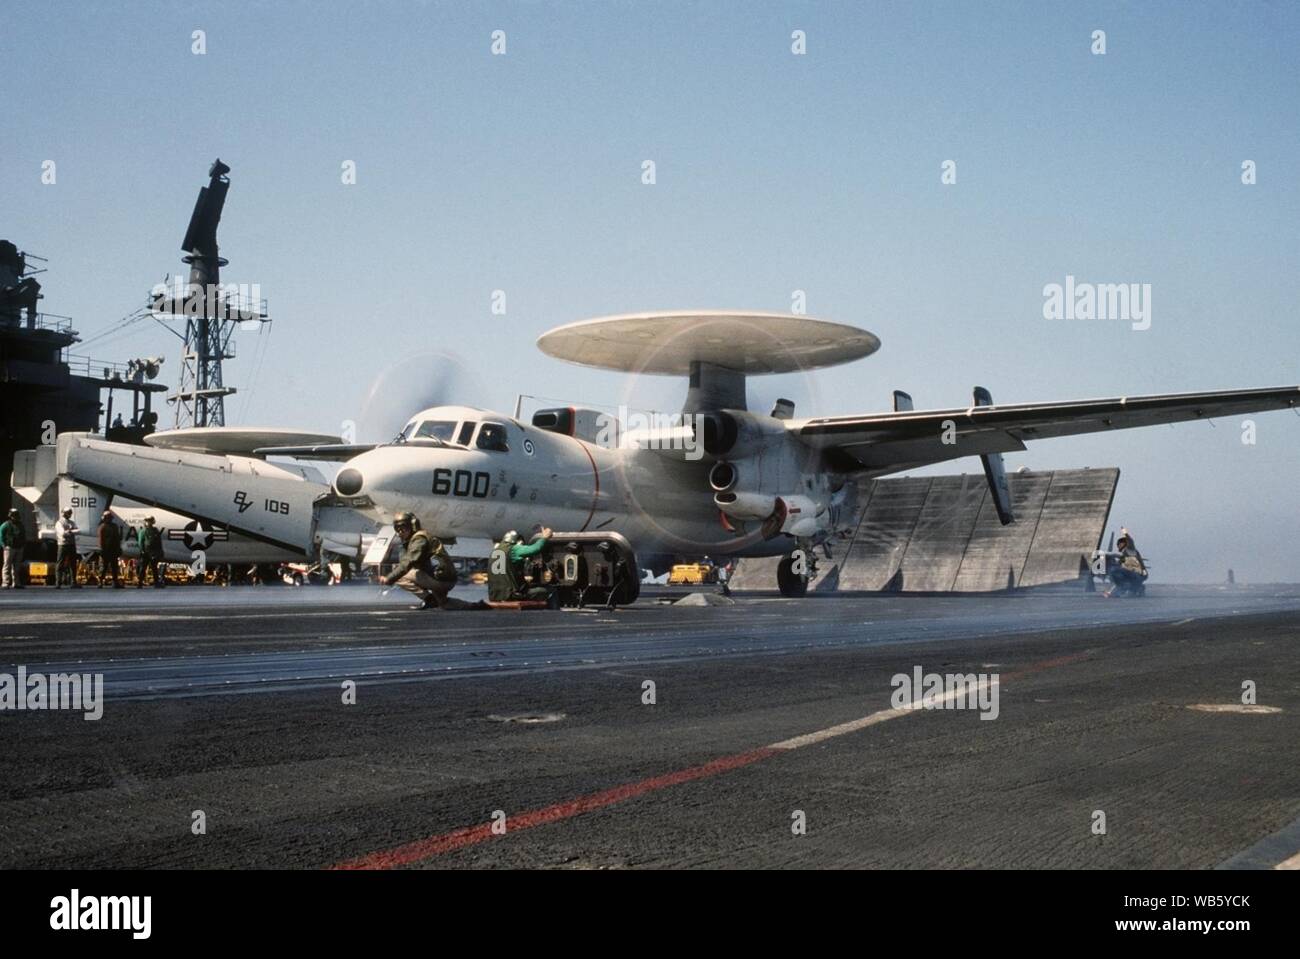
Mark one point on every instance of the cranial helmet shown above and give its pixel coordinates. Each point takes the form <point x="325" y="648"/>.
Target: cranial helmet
<point x="510" y="538"/>
<point x="405" y="519"/>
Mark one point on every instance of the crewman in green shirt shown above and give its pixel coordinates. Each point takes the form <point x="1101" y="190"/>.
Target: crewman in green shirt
<point x="506" y="581"/>
<point x="151" y="553"/>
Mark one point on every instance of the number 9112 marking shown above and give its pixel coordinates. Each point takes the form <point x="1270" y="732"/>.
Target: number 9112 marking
<point x="461" y="483"/>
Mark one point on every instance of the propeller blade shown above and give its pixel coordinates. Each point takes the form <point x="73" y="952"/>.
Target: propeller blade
<point x="414" y="383"/>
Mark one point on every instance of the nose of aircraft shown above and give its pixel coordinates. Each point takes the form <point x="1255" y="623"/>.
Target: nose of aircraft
<point x="391" y="477"/>
<point x="371" y="474"/>
<point x="348" y="482"/>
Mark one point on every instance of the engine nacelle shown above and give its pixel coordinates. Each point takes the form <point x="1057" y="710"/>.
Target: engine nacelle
<point x="798" y="515"/>
<point x="737" y="434"/>
<point x="723" y="476"/>
<point x="747" y="505"/>
<point x="774" y="482"/>
<point x="804" y="516"/>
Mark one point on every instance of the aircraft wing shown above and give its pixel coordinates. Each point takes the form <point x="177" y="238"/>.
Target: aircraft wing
<point x="888" y="442"/>
<point x="334" y="452"/>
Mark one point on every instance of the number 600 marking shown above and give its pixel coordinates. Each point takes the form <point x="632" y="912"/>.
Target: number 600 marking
<point x="461" y="483"/>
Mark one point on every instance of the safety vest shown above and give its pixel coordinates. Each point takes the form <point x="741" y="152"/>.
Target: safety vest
<point x="150" y="540"/>
<point x="443" y="568"/>
<point x="505" y="576"/>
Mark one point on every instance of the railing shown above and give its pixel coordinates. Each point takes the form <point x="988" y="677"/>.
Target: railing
<point x="245" y="308"/>
<point x="51" y="322"/>
<point x="101" y="370"/>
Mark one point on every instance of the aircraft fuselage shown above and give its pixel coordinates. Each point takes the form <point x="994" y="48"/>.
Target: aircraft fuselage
<point x="660" y="500"/>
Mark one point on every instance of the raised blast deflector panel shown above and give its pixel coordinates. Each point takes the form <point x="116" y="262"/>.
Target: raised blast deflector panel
<point x="943" y="528"/>
<point x="1071" y="524"/>
<point x="942" y="534"/>
<point x="953" y="541"/>
<point x="876" y="551"/>
<point x="995" y="556"/>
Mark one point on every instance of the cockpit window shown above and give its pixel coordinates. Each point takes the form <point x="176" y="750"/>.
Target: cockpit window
<point x="427" y="431"/>
<point x="492" y="436"/>
<point x="466" y="431"/>
<point x="440" y="430"/>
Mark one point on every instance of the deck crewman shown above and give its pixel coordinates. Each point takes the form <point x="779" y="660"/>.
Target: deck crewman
<point x="506" y="582"/>
<point x="424" y="568"/>
<point x="151" y="553"/>
<point x="65" y="533"/>
<point x="110" y="550"/>
<point x="13" y="536"/>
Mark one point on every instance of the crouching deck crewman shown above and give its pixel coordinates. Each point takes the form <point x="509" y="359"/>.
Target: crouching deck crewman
<point x="1128" y="573"/>
<point x="424" y="568"/>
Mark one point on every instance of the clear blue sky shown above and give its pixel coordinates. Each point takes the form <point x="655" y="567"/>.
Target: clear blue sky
<point x="775" y="173"/>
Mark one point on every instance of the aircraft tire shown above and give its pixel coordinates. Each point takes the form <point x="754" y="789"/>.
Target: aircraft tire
<point x="788" y="582"/>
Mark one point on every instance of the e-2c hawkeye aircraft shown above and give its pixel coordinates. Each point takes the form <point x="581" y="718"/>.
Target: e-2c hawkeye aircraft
<point x="720" y="480"/>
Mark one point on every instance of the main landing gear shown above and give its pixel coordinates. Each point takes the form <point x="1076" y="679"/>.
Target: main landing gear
<point x="794" y="571"/>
